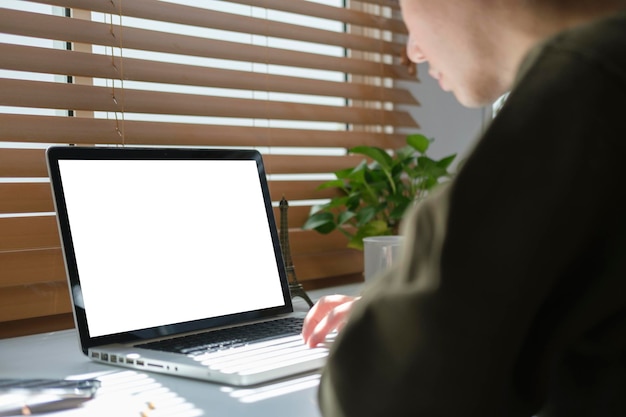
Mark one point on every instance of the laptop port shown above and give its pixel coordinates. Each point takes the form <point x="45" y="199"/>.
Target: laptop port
<point x="156" y="365"/>
<point x="95" y="355"/>
<point x="104" y="356"/>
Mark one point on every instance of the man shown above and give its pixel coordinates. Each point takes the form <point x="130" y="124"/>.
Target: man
<point x="511" y="296"/>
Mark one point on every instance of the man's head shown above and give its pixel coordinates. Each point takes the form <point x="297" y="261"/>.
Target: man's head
<point x="474" y="47"/>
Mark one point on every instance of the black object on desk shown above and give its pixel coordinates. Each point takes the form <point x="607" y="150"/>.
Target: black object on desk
<point x="295" y="287"/>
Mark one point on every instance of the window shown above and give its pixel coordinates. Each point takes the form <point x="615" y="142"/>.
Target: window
<point x="302" y="81"/>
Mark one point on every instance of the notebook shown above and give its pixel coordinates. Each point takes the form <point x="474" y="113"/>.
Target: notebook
<point x="174" y="265"/>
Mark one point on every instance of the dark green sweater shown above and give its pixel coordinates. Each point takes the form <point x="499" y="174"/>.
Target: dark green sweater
<point x="511" y="297"/>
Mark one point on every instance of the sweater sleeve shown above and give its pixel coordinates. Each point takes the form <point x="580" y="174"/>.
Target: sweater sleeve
<point x="497" y="273"/>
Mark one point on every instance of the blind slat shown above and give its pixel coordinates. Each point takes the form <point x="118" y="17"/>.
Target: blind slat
<point x="30" y="163"/>
<point x="72" y="30"/>
<point x="85" y="97"/>
<point x="24" y="233"/>
<point x="45" y="324"/>
<point x="333" y="263"/>
<point x="25" y="198"/>
<point x="37" y="197"/>
<point x="307" y="242"/>
<point x="40" y="232"/>
<point x="394" y="4"/>
<point x="46" y="265"/>
<point x="296" y="217"/>
<point x="63" y="62"/>
<point x="34" y="301"/>
<point x="346" y="15"/>
<point x="77" y="130"/>
<point x="304" y="164"/>
<point x="200" y="17"/>
<point x="48" y="270"/>
<point x="299" y="190"/>
<point x="30" y="267"/>
<point x="51" y="298"/>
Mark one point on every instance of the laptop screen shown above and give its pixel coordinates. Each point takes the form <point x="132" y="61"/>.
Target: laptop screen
<point x="164" y="241"/>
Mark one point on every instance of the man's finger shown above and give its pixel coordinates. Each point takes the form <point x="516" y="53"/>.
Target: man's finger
<point x="334" y="320"/>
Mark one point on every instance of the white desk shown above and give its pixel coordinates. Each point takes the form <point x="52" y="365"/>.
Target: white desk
<point x="129" y="393"/>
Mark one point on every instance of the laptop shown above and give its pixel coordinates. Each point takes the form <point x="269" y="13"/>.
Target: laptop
<point x="174" y="265"/>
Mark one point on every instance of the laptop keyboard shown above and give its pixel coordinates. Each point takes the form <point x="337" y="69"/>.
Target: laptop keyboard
<point x="233" y="337"/>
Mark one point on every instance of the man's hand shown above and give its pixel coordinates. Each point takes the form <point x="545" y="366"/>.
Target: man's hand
<point x="328" y="314"/>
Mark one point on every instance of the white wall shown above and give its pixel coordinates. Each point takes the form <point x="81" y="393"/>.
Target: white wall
<point x="454" y="127"/>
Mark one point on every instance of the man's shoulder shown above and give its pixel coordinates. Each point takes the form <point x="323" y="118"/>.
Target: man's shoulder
<point x="584" y="67"/>
<point x="601" y="42"/>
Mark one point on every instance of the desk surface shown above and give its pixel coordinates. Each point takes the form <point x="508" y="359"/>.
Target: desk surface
<point x="127" y="392"/>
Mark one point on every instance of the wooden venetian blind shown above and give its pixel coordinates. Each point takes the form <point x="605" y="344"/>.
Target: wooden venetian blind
<point x="302" y="81"/>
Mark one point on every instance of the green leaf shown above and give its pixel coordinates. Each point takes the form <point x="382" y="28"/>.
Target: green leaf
<point x="353" y="202"/>
<point x="331" y="184"/>
<point x="430" y="183"/>
<point x="418" y="142"/>
<point x="405" y="153"/>
<point x="336" y="202"/>
<point x="426" y="163"/>
<point x="396" y="172"/>
<point x="377" y="154"/>
<point x="374" y="228"/>
<point x="365" y="215"/>
<point x="430" y="168"/>
<point x="344" y="217"/>
<point x="356" y="243"/>
<point x="398" y="212"/>
<point x="326" y="228"/>
<point x="357" y="175"/>
<point x="373" y="175"/>
<point x="398" y="199"/>
<point x="343" y="173"/>
<point x="320" y="221"/>
<point x="445" y="162"/>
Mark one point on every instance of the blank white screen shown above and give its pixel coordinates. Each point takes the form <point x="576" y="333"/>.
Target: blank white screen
<point x="161" y="242"/>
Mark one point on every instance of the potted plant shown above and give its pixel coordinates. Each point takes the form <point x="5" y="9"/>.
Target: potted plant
<point x="376" y="193"/>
